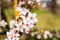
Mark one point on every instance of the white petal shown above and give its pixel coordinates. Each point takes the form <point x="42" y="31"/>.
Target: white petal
<point x="35" y="20"/>
<point x="38" y="36"/>
<point x="34" y="14"/>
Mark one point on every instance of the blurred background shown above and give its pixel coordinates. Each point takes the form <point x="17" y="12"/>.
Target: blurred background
<point x="48" y="14"/>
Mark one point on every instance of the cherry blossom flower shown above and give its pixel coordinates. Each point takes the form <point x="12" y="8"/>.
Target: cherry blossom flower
<point x="3" y="23"/>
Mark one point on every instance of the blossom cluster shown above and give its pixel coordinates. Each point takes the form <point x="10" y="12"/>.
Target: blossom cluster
<point x="40" y="35"/>
<point x="23" y="23"/>
<point x="45" y="35"/>
<point x="26" y="20"/>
